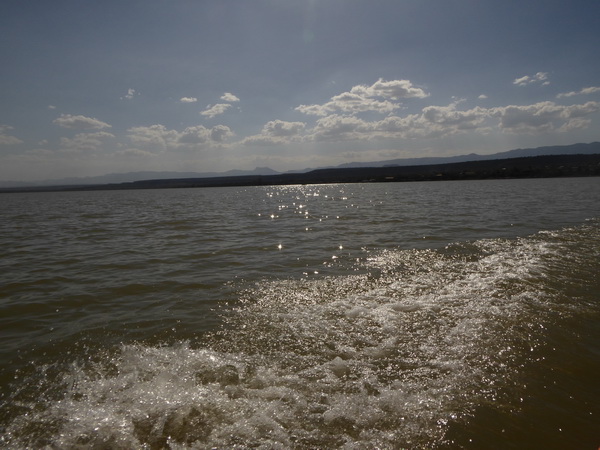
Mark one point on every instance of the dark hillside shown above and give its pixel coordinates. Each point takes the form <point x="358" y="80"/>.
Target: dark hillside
<point x="527" y="167"/>
<point x="532" y="167"/>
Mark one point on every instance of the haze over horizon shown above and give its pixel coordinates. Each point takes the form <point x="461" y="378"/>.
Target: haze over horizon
<point x="88" y="89"/>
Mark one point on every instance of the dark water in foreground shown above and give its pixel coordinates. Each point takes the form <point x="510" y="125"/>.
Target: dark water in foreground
<point x="418" y="315"/>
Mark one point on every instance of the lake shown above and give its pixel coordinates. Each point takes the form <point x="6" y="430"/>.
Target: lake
<point x="458" y="314"/>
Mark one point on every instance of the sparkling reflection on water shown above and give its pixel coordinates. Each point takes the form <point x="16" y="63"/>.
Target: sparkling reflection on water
<point x="372" y="314"/>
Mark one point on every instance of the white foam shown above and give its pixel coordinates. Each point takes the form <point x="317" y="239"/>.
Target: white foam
<point x="346" y="361"/>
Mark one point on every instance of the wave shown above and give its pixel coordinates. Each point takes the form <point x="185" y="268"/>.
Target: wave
<point x="401" y="355"/>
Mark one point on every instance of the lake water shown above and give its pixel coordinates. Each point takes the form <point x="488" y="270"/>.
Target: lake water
<point x="418" y="315"/>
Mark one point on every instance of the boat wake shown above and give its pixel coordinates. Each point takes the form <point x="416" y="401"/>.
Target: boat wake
<point x="394" y="357"/>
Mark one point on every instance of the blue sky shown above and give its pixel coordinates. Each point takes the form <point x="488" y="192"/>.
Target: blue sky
<point x="95" y="87"/>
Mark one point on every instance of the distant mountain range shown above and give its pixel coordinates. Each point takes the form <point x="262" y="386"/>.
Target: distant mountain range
<point x="137" y="176"/>
<point x="574" y="149"/>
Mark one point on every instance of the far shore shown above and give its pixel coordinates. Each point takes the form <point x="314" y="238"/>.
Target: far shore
<point x="551" y="166"/>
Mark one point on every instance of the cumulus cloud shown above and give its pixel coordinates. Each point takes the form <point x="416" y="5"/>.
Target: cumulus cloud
<point x="86" y="142"/>
<point x="340" y="128"/>
<point x="540" y="77"/>
<point x="277" y="132"/>
<point x="449" y="117"/>
<point x="80" y="122"/>
<point x="543" y="117"/>
<point x="202" y="135"/>
<point x="160" y="138"/>
<point x="155" y="136"/>
<point x="433" y="121"/>
<point x="340" y="121"/>
<point x="215" y="110"/>
<point x="526" y="119"/>
<point x="229" y="97"/>
<point x="220" y="133"/>
<point x="394" y="89"/>
<point x="194" y="135"/>
<point x="363" y="98"/>
<point x="280" y="128"/>
<point x="482" y="97"/>
<point x="6" y="138"/>
<point x="438" y="121"/>
<point x="188" y="99"/>
<point x="349" y="103"/>
<point x="584" y="91"/>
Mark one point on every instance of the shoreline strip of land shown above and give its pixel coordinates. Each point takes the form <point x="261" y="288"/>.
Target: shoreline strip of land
<point x="550" y="166"/>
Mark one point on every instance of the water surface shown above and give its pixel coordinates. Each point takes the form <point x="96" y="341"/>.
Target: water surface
<point x="443" y="314"/>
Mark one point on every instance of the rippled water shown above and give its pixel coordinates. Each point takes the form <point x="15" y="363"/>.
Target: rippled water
<point x="439" y="315"/>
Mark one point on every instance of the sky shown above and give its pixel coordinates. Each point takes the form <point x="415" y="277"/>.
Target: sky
<point x="95" y="87"/>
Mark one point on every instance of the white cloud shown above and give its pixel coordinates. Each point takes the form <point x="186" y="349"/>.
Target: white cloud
<point x="543" y="117"/>
<point x="434" y="121"/>
<point x="51" y="107"/>
<point x="130" y="94"/>
<point x="339" y="121"/>
<point x="277" y="132"/>
<point x="202" y="135"/>
<point x="229" y="97"/>
<point x="438" y="121"/>
<point x="540" y="77"/>
<point x="85" y="141"/>
<point x="194" y="135"/>
<point x="394" y="89"/>
<point x="157" y="137"/>
<point x="450" y="118"/>
<point x="348" y="103"/>
<point x="220" y="133"/>
<point x="362" y="98"/>
<point x="7" y="139"/>
<point x="527" y="119"/>
<point x="280" y="128"/>
<point x="584" y="91"/>
<point x="342" y="128"/>
<point x="590" y="90"/>
<point x="160" y="138"/>
<point x="568" y="94"/>
<point x="80" y="122"/>
<point x="482" y="97"/>
<point x="215" y="110"/>
<point x="188" y="99"/>
<point x="313" y="110"/>
<point x="522" y="81"/>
